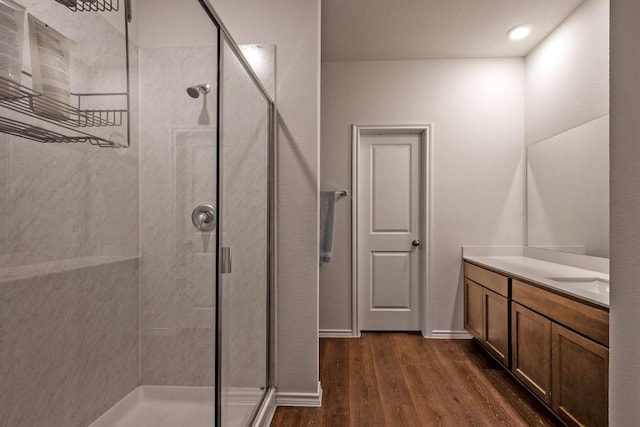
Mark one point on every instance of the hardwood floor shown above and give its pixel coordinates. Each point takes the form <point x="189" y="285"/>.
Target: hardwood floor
<point x="402" y="379"/>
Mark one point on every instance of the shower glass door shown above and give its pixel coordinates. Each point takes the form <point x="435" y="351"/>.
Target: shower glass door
<point x="244" y="243"/>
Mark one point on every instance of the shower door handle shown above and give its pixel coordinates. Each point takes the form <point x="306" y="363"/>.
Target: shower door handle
<point x="225" y="262"/>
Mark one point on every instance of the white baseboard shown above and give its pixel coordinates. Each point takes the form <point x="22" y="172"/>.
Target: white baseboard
<point x="300" y="399"/>
<point x="336" y="333"/>
<point x="448" y="335"/>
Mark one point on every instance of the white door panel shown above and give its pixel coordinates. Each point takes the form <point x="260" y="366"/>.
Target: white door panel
<point x="389" y="200"/>
<point x="391" y="187"/>
<point x="390" y="281"/>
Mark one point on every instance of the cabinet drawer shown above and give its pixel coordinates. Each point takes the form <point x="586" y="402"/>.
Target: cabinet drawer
<point x="590" y="321"/>
<point x="487" y="278"/>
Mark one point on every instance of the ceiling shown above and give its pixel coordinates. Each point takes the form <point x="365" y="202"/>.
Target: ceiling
<point x="358" y="30"/>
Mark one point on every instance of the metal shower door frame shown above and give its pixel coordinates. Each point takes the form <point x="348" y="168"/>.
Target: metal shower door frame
<point x="224" y="34"/>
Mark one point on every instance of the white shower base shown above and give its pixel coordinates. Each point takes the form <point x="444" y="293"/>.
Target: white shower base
<point x="160" y="406"/>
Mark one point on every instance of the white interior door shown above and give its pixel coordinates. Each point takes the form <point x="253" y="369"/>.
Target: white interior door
<point x="389" y="231"/>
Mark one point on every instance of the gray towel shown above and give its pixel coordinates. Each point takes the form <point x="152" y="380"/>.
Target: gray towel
<point x="327" y="210"/>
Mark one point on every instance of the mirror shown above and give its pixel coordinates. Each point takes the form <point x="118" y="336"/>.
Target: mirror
<point x="568" y="191"/>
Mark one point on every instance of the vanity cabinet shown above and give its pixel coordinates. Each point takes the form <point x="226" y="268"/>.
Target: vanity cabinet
<point x="559" y="352"/>
<point x="555" y="344"/>
<point x="580" y="378"/>
<point x="486" y="314"/>
<point x="531" y="350"/>
<point x="581" y="316"/>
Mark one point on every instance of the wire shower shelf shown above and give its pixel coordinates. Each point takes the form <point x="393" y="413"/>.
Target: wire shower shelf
<point x="91" y="5"/>
<point x="36" y="133"/>
<point x="24" y="100"/>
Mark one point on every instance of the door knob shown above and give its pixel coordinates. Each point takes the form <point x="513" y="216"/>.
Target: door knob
<point x="416" y="243"/>
<point x="204" y="217"/>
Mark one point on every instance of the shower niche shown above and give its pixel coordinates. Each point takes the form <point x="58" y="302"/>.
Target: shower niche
<point x="73" y="80"/>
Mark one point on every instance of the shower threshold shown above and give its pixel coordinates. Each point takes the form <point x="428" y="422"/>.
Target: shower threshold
<point x="168" y="406"/>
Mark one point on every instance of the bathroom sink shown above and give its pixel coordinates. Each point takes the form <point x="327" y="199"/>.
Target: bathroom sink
<point x="590" y="283"/>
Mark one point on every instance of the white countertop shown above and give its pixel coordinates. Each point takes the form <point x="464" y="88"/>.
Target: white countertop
<point x="573" y="281"/>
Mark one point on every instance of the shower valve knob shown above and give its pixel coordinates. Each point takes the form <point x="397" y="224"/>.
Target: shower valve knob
<point x="203" y="217"/>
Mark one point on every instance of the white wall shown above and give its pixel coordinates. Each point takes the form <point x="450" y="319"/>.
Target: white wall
<point x="158" y="24"/>
<point x="477" y="111"/>
<point x="294" y="27"/>
<point x="567" y="90"/>
<point x="624" y="366"/>
<point x="567" y="75"/>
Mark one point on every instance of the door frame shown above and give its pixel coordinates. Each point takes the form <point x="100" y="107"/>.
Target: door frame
<point x="425" y="131"/>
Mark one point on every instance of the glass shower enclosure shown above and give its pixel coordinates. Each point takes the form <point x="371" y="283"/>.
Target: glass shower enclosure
<point x="245" y="148"/>
<point x="136" y="220"/>
<point x="206" y="117"/>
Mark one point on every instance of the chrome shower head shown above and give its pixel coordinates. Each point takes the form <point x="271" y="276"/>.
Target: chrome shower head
<point x="195" y="91"/>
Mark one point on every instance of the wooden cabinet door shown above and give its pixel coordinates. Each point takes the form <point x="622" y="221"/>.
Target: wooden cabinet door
<point x="531" y="350"/>
<point x="473" y="309"/>
<point x="580" y="378"/>
<point x="496" y="325"/>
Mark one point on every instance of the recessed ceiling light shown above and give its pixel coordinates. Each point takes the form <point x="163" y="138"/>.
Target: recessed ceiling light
<point x="519" y="32"/>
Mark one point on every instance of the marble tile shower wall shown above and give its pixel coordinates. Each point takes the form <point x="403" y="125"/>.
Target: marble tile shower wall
<point x="64" y="201"/>
<point x="177" y="173"/>
<point x="69" y="330"/>
<point x="68" y="344"/>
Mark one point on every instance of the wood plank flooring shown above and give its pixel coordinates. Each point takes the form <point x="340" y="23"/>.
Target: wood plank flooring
<point x="402" y="379"/>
